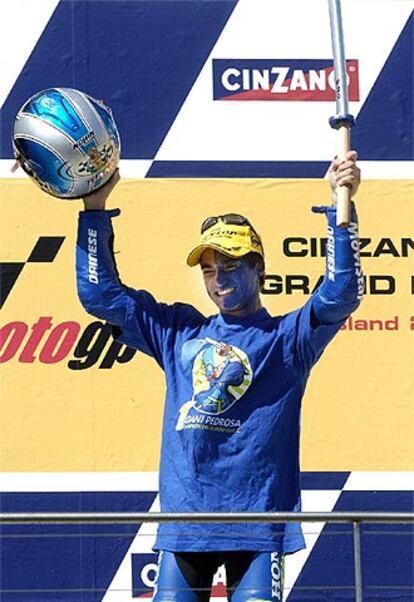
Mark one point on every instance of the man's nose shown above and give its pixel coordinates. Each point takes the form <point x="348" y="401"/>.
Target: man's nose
<point x="221" y="277"/>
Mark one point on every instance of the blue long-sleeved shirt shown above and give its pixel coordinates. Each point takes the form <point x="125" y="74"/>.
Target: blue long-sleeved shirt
<point x="234" y="389"/>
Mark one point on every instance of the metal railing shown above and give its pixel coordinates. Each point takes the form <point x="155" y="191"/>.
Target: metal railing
<point x="355" y="518"/>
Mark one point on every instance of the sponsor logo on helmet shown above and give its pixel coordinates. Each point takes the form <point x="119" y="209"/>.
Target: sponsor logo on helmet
<point x="84" y="140"/>
<point x="280" y="79"/>
<point x="98" y="158"/>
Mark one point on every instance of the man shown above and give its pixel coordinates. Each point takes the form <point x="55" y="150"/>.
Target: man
<point x="235" y="382"/>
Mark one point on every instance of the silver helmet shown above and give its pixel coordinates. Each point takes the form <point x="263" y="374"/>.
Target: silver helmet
<point x="66" y="141"/>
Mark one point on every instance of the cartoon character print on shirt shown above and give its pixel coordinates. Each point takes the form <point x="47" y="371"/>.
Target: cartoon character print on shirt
<point x="221" y="374"/>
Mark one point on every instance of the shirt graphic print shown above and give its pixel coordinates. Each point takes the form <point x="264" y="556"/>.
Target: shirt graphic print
<point x="221" y="374"/>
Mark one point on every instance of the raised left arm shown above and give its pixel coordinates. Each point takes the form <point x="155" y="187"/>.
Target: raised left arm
<point x="343" y="286"/>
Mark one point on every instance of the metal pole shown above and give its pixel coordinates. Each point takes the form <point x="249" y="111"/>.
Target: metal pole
<point x="338" y="48"/>
<point x="357" y="562"/>
<point x="202" y="517"/>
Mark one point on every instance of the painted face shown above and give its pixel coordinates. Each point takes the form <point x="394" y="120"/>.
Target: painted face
<point x="232" y="284"/>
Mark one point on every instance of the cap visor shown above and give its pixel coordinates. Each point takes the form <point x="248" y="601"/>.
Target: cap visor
<point x="194" y="257"/>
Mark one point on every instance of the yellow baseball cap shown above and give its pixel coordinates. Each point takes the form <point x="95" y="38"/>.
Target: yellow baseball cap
<point x="230" y="234"/>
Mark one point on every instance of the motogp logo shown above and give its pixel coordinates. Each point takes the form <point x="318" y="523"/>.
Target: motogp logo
<point x="280" y="79"/>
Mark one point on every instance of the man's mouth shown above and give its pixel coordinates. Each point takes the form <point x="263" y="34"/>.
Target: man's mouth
<point x="225" y="292"/>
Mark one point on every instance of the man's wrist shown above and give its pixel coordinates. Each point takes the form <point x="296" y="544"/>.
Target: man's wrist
<point x="93" y="205"/>
<point x="99" y="213"/>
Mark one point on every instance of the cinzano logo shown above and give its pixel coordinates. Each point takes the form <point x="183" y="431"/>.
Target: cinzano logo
<point x="280" y="79"/>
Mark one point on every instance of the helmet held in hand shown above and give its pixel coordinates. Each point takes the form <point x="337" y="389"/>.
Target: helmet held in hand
<point x="66" y="141"/>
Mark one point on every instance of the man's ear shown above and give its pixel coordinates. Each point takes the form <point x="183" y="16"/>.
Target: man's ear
<point x="260" y="268"/>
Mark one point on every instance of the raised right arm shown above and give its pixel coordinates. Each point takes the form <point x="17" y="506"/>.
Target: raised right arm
<point x="99" y="288"/>
<point x="141" y="322"/>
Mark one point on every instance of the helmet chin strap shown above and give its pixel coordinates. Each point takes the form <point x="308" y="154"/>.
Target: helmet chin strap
<point x="15" y="166"/>
<point x="21" y="162"/>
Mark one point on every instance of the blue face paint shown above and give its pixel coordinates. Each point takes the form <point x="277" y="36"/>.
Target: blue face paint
<point x="232" y="284"/>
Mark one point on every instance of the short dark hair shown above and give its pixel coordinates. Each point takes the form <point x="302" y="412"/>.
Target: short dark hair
<point x="254" y="259"/>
